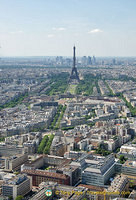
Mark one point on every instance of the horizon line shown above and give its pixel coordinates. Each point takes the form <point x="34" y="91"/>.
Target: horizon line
<point x="70" y="56"/>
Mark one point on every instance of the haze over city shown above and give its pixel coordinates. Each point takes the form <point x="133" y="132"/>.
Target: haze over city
<point x="52" y="27"/>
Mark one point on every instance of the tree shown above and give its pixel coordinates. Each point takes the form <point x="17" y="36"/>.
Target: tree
<point x="2" y="139"/>
<point x="10" y="198"/>
<point x="43" y="144"/>
<point x="102" y="150"/>
<point x="122" y="159"/>
<point x="47" y="147"/>
<point x="19" y="197"/>
<point x="103" y="146"/>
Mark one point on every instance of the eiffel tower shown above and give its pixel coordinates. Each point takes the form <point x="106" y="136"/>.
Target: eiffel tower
<point x="74" y="74"/>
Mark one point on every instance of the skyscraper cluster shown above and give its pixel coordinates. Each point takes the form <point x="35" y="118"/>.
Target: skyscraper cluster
<point x="88" y="60"/>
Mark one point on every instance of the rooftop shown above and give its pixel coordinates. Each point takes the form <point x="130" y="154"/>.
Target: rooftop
<point x="93" y="188"/>
<point x="130" y="163"/>
<point x="45" y="173"/>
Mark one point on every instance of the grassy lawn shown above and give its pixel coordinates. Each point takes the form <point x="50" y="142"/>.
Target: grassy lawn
<point x="72" y="89"/>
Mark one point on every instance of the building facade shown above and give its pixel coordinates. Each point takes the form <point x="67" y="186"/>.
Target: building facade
<point x="15" y="162"/>
<point x="20" y="185"/>
<point x="39" y="176"/>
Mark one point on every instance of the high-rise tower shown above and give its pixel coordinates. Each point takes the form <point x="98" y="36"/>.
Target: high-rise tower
<point x="74" y="74"/>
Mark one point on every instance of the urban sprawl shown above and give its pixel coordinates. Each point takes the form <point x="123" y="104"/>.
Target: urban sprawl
<point x="67" y="128"/>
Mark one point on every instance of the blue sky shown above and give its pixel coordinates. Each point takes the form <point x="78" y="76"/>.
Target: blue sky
<point x="52" y="27"/>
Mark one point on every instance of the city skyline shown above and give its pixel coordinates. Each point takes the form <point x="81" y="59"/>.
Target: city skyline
<point x="50" y="28"/>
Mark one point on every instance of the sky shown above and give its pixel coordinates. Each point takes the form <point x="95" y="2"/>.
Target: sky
<point x="52" y="27"/>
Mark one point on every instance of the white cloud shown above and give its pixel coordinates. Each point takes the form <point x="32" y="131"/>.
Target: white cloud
<point x="59" y="29"/>
<point x="16" y="32"/>
<point x="50" y="35"/>
<point x="20" y="31"/>
<point x="95" y="31"/>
